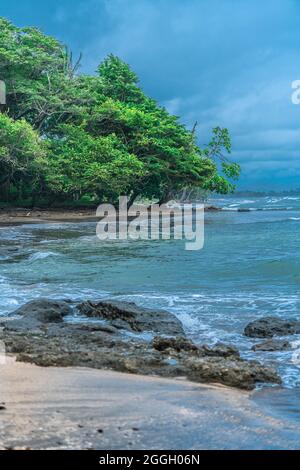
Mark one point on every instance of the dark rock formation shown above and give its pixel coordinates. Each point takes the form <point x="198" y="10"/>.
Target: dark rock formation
<point x="42" y="337"/>
<point x="235" y="373"/>
<point x="41" y="311"/>
<point x="272" y="345"/>
<point x="181" y="344"/>
<point x="127" y="315"/>
<point x="220" y="350"/>
<point x="268" y="327"/>
<point x="212" y="208"/>
<point x="175" y="345"/>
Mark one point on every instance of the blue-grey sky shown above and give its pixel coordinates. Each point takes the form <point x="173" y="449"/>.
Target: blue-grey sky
<point x="220" y="62"/>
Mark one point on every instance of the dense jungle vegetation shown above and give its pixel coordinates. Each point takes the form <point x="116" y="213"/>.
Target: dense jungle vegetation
<point x="67" y="136"/>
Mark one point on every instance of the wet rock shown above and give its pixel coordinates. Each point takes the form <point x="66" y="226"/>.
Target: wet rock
<point x="272" y="345"/>
<point x="127" y="315"/>
<point x="183" y="345"/>
<point x="234" y="373"/>
<point x="38" y="312"/>
<point x="268" y="327"/>
<point x="212" y="208"/>
<point x="220" y="350"/>
<point x="104" y="328"/>
<point x="178" y="344"/>
<point x="41" y="337"/>
<point x="45" y="310"/>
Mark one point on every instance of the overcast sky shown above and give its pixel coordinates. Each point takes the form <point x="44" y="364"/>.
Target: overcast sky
<point x="220" y="62"/>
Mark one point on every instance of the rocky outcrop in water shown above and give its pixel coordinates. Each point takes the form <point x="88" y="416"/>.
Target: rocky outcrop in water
<point x="268" y="327"/>
<point x="128" y="316"/>
<point x="212" y="209"/>
<point x="221" y="363"/>
<point x="272" y="345"/>
<point x="183" y="344"/>
<point x="40" y="311"/>
<point x="233" y="372"/>
<point x="41" y="336"/>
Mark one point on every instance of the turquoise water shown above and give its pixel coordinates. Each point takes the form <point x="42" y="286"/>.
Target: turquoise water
<point x="249" y="268"/>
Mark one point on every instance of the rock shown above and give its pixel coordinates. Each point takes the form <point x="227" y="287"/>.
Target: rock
<point x="43" y="338"/>
<point x="268" y="327"/>
<point x="103" y="328"/>
<point x="38" y="312"/>
<point x="234" y="373"/>
<point x="220" y="350"/>
<point x="183" y="345"/>
<point x="178" y="344"/>
<point x="212" y="208"/>
<point x="127" y="315"/>
<point x="272" y="345"/>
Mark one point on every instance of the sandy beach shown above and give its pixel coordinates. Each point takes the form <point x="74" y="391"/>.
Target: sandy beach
<point x="16" y="216"/>
<point x="77" y="408"/>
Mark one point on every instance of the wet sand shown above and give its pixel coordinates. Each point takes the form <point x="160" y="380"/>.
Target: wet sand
<point x="77" y="408"/>
<point x="16" y="216"/>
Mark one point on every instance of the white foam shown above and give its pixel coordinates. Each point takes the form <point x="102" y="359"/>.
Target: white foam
<point x="42" y="255"/>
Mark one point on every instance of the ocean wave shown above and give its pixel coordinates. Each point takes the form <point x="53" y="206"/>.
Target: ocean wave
<point x="42" y="255"/>
<point x="290" y="198"/>
<point x="234" y="208"/>
<point x="207" y="317"/>
<point x="240" y="209"/>
<point x="258" y="203"/>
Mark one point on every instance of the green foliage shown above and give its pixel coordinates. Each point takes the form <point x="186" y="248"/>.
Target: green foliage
<point x="81" y="164"/>
<point x="118" y="81"/>
<point x="221" y="182"/>
<point x="101" y="136"/>
<point x="21" y="155"/>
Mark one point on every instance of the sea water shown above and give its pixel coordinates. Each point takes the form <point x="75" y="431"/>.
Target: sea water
<point x="249" y="268"/>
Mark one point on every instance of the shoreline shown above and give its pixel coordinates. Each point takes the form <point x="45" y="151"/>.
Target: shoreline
<point x="190" y="407"/>
<point x="19" y="216"/>
<point x="99" y="409"/>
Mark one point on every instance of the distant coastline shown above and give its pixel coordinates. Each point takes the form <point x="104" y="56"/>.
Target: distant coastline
<point x="249" y="193"/>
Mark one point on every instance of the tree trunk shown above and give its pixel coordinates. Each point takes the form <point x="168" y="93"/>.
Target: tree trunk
<point x="132" y="199"/>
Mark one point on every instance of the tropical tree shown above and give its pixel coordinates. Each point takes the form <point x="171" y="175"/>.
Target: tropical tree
<point x="82" y="164"/>
<point x="101" y="134"/>
<point x="21" y="157"/>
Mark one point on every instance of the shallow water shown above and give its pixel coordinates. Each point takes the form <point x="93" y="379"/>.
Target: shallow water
<point x="280" y="402"/>
<point x="249" y="267"/>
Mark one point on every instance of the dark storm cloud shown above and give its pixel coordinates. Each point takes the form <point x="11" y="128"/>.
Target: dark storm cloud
<point x="220" y="62"/>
